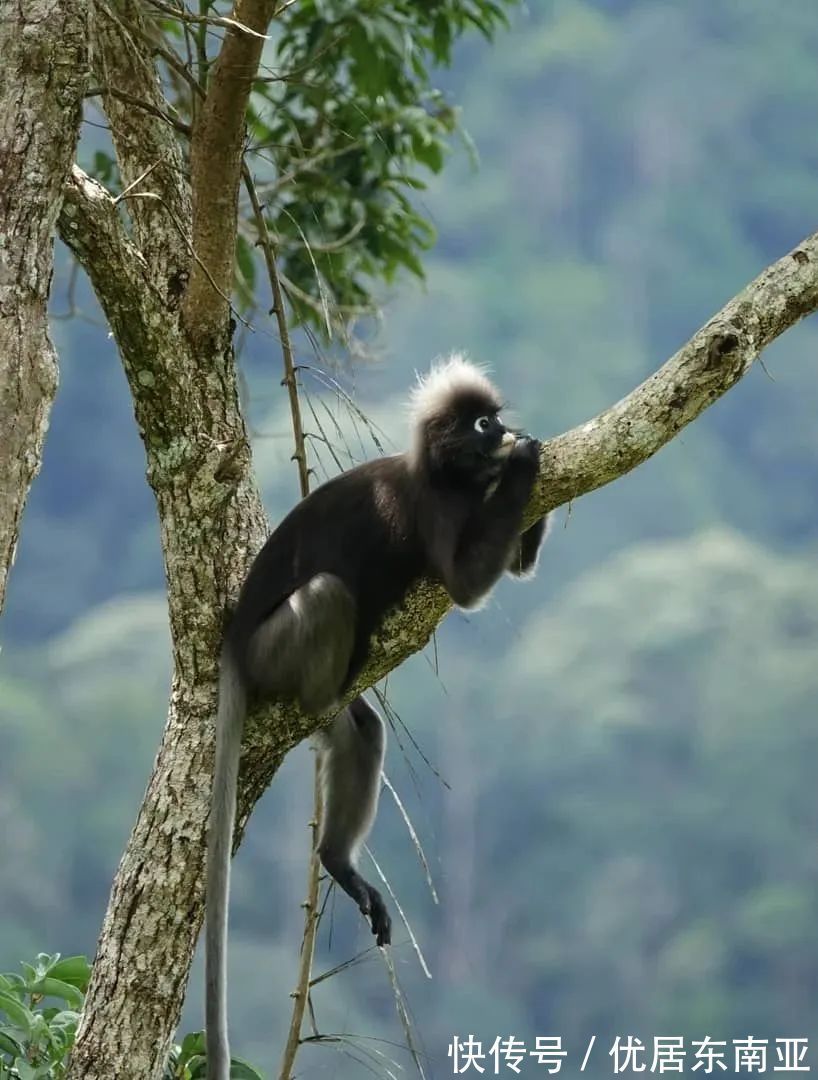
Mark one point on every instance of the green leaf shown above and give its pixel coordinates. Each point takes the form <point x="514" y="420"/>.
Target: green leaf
<point x="103" y="168"/>
<point x="197" y="1068"/>
<point x="50" y="987"/>
<point x="243" y="1070"/>
<point x="66" y="1018"/>
<point x="193" y="1043"/>
<point x="39" y="1035"/>
<point x="17" y="1013"/>
<point x="74" y="970"/>
<point x="8" y="1045"/>
<point x="45" y="961"/>
<point x="170" y="27"/>
<point x="442" y="39"/>
<point x="429" y="152"/>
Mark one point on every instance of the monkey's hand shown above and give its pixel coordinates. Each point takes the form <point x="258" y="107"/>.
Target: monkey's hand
<point x="525" y="455"/>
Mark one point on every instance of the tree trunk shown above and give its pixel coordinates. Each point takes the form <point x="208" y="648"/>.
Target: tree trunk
<point x="44" y="50"/>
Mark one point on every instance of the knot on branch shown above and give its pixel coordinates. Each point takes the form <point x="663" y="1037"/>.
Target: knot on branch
<point x="724" y="341"/>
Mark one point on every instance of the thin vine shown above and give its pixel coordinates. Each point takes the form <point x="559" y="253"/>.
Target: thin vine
<point x="300" y="995"/>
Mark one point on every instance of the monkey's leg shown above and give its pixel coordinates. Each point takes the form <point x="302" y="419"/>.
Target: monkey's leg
<point x="301" y="652"/>
<point x="524" y="557"/>
<point x="351" y="753"/>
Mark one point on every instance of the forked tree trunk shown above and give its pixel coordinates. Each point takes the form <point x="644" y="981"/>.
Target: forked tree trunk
<point x="43" y="75"/>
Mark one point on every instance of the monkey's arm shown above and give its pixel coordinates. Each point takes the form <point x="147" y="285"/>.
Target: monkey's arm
<point x="472" y="559"/>
<point x="525" y="553"/>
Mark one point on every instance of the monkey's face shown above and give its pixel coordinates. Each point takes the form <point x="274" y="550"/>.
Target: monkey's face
<point x="492" y="439"/>
<point x="479" y="444"/>
<point x="463" y="435"/>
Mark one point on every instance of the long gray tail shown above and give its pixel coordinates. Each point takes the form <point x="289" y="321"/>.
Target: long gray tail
<point x="229" y="727"/>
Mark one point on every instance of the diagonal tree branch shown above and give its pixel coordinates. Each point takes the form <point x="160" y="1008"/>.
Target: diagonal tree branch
<point x="713" y="361"/>
<point x="124" y="66"/>
<point x="44" y="50"/>
<point x="216" y="163"/>
<point x="91" y="227"/>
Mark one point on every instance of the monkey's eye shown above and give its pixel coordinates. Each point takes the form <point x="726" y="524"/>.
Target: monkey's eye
<point x="482" y="424"/>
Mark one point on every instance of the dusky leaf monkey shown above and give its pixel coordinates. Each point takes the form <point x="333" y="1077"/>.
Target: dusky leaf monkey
<point x="450" y="509"/>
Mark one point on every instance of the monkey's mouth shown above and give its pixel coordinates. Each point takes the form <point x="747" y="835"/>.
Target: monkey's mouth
<point x="506" y="445"/>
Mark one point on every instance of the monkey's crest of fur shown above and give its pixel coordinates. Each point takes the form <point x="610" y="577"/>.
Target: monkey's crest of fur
<point x="449" y="380"/>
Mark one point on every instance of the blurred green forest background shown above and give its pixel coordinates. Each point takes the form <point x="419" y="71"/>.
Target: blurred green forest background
<point x="629" y="844"/>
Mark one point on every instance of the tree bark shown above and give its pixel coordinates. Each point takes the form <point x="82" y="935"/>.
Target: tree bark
<point x="44" y="50"/>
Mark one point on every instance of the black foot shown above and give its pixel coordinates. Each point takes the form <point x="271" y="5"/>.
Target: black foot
<point x="378" y="917"/>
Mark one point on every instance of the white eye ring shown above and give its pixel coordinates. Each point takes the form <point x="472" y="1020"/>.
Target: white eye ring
<point x="481" y="425"/>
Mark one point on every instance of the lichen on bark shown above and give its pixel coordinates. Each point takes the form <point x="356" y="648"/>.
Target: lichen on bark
<point x="44" y="50"/>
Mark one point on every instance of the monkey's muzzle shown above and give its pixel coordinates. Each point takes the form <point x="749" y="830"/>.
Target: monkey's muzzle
<point x="506" y="444"/>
